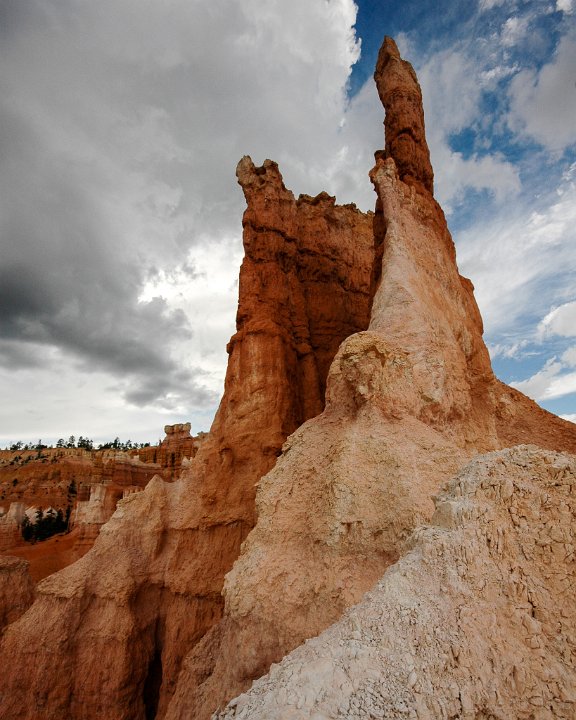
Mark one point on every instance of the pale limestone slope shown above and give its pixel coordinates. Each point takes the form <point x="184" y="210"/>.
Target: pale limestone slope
<point x="477" y="620"/>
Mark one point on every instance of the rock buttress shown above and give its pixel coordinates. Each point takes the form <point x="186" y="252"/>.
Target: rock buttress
<point x="304" y="287"/>
<point x="107" y="635"/>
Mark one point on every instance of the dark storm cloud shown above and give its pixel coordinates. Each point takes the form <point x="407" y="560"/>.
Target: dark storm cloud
<point x="66" y="278"/>
<point x="154" y="386"/>
<point x="63" y="282"/>
<point x="69" y="278"/>
<point x="16" y="355"/>
<point x="120" y="127"/>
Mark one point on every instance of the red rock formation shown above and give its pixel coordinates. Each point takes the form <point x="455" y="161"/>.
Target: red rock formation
<point x="409" y="401"/>
<point x="136" y="628"/>
<point x="401" y="96"/>
<point x="43" y="481"/>
<point x="151" y="586"/>
<point x="16" y="590"/>
<point x="177" y="447"/>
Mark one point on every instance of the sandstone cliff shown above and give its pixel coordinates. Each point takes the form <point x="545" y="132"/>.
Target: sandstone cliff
<point x="409" y="402"/>
<point x="150" y="588"/>
<point x="369" y="311"/>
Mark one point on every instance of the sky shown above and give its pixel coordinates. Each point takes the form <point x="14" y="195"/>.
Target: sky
<point x="121" y="124"/>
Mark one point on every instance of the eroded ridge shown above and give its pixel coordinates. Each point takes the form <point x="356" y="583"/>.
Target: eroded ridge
<point x="475" y="621"/>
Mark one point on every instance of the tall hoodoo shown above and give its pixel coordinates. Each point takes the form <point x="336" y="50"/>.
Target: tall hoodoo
<point x="107" y="636"/>
<point x="401" y="96"/>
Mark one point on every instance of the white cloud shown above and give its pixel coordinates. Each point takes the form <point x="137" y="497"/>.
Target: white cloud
<point x="514" y="30"/>
<point x="564" y="6"/>
<point x="569" y="357"/>
<point x="543" y="104"/>
<point x="514" y="350"/>
<point x="523" y="260"/>
<point x="571" y="417"/>
<point x="489" y="4"/>
<point x="548" y="383"/>
<point x="539" y="384"/>
<point x="555" y="379"/>
<point x="452" y="84"/>
<point x="560" y="321"/>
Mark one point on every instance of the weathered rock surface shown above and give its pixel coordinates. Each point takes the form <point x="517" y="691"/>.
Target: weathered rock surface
<point x="177" y="447"/>
<point x="16" y="590"/>
<point x="401" y="96"/>
<point x="304" y="287"/>
<point x="476" y="620"/>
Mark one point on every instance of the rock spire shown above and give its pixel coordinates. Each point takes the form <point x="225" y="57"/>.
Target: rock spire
<point x="401" y="96"/>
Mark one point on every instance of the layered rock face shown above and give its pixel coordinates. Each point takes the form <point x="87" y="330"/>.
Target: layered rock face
<point x="16" y="590"/>
<point x="475" y="621"/>
<point x="304" y="284"/>
<point x="138" y="627"/>
<point x="10" y="525"/>
<point x="117" y="624"/>
<point x="174" y="451"/>
<point x="43" y="481"/>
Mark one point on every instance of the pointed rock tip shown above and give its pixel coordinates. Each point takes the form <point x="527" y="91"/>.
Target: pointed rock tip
<point x="390" y="48"/>
<point x="405" y="134"/>
<point x="249" y="174"/>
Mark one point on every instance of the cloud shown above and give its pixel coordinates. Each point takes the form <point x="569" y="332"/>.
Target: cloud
<point x="514" y="350"/>
<point x="548" y="383"/>
<point x="523" y="261"/>
<point x="543" y="103"/>
<point x="569" y="356"/>
<point x="560" y="321"/>
<point x="565" y="6"/>
<point x="120" y="130"/>
<point x="452" y="84"/>
<point x="485" y="5"/>
<point x="514" y="30"/>
<point x="557" y="377"/>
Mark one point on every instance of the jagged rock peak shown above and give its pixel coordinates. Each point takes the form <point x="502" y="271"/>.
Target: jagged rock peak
<point x="401" y="96"/>
<point x="250" y="175"/>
